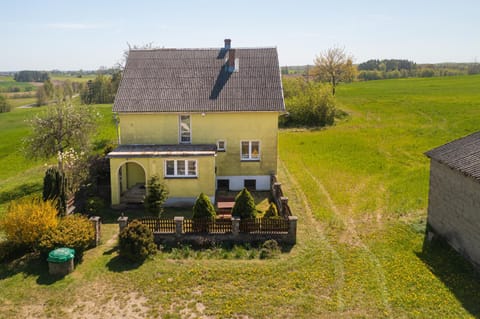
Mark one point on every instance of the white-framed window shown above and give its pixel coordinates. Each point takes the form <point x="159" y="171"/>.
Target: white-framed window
<point x="250" y="150"/>
<point x="181" y="168"/>
<point x="221" y="145"/>
<point x="185" y="129"/>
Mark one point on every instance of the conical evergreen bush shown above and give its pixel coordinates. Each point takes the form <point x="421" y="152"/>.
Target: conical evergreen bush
<point x="244" y="205"/>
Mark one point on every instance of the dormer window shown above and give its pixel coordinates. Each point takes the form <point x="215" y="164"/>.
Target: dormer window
<point x="185" y="131"/>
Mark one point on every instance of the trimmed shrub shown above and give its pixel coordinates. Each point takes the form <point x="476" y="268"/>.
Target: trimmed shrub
<point x="272" y="211"/>
<point x="73" y="231"/>
<point x="26" y="221"/>
<point x="269" y="249"/>
<point x="54" y="189"/>
<point x="244" y="205"/>
<point x="203" y="207"/>
<point x="136" y="242"/>
<point x="156" y="197"/>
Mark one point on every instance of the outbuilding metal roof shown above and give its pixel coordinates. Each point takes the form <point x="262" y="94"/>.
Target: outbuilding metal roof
<point x="198" y="80"/>
<point x="462" y="154"/>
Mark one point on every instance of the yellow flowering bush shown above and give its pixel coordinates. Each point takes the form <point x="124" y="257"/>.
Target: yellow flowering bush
<point x="27" y="220"/>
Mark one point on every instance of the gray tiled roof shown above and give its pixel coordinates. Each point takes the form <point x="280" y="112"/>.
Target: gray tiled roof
<point x="195" y="80"/>
<point x="154" y="150"/>
<point x="462" y="154"/>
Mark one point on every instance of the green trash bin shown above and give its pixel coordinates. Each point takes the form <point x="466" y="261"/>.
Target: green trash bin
<point x="60" y="261"/>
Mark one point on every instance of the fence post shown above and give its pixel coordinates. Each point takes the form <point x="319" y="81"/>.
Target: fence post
<point x="292" y="229"/>
<point x="178" y="225"/>
<point x="284" y="201"/>
<point x="235" y="226"/>
<point x="122" y="222"/>
<point x="96" y="222"/>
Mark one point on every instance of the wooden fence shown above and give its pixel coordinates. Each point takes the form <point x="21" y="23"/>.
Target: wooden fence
<point x="180" y="229"/>
<point x="159" y="225"/>
<point x="207" y="225"/>
<point x="264" y="225"/>
<point x="218" y="226"/>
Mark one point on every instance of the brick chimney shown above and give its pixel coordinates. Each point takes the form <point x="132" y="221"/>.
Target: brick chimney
<point x="228" y="43"/>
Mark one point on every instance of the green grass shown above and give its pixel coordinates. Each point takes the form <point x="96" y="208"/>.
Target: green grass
<point x="360" y="191"/>
<point x="21" y="176"/>
<point x="7" y="82"/>
<point x="366" y="180"/>
<point x="83" y="79"/>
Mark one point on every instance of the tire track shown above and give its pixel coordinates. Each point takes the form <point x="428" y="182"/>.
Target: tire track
<point x="339" y="271"/>
<point x="351" y="227"/>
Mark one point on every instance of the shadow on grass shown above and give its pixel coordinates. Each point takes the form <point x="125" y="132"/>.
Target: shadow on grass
<point x="19" y="192"/>
<point x="31" y="264"/>
<point x="457" y="274"/>
<point x="119" y="264"/>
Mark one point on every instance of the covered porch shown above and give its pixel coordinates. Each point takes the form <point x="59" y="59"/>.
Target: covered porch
<point x="186" y="170"/>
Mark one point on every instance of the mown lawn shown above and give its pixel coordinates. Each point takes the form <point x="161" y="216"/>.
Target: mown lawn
<point x="360" y="191"/>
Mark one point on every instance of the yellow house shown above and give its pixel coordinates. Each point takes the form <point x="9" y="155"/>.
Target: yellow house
<point x="199" y="119"/>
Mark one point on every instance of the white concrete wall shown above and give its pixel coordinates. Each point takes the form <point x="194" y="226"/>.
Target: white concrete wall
<point x="237" y="182"/>
<point x="454" y="209"/>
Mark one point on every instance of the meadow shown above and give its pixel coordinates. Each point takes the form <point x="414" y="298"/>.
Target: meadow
<point x="360" y="191"/>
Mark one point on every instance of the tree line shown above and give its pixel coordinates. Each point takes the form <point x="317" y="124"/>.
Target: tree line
<point x="31" y="76"/>
<point x="376" y="69"/>
<point x="100" y="90"/>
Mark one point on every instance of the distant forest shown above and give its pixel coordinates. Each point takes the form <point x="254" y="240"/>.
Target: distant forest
<point x="31" y="76"/>
<point x="395" y="68"/>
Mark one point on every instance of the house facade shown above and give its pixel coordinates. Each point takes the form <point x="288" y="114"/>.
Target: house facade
<point x="199" y="120"/>
<point x="454" y="195"/>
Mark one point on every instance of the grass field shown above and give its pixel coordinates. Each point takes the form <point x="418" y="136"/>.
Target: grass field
<point x="83" y="79"/>
<point x="360" y="191"/>
<point x="19" y="175"/>
<point x="7" y="82"/>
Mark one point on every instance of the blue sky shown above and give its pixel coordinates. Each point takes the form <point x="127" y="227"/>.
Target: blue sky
<point x="87" y="34"/>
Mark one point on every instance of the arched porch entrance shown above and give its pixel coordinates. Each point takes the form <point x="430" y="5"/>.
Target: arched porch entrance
<point x="132" y="183"/>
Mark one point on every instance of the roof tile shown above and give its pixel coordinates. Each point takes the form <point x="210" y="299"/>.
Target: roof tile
<point x="195" y="80"/>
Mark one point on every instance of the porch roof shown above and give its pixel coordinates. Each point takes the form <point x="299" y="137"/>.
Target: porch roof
<point x="156" y="150"/>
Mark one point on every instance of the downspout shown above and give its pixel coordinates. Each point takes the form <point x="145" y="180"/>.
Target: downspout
<point x="117" y="122"/>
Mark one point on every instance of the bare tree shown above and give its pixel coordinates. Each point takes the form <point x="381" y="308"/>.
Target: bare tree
<point x="334" y="66"/>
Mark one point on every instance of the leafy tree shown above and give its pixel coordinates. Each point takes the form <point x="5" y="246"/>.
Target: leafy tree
<point x="244" y="206"/>
<point x="157" y="194"/>
<point x="100" y="90"/>
<point x="308" y="103"/>
<point x="62" y="126"/>
<point x="45" y="93"/>
<point x="42" y="98"/>
<point x="4" y="105"/>
<point x="203" y="207"/>
<point x="334" y="66"/>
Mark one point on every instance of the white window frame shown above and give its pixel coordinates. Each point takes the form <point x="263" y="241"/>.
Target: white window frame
<point x="180" y="129"/>
<point x="250" y="157"/>
<point x="224" y="149"/>
<point x="175" y="168"/>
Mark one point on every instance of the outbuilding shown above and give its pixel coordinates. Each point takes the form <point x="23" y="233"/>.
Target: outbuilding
<point x="454" y="195"/>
